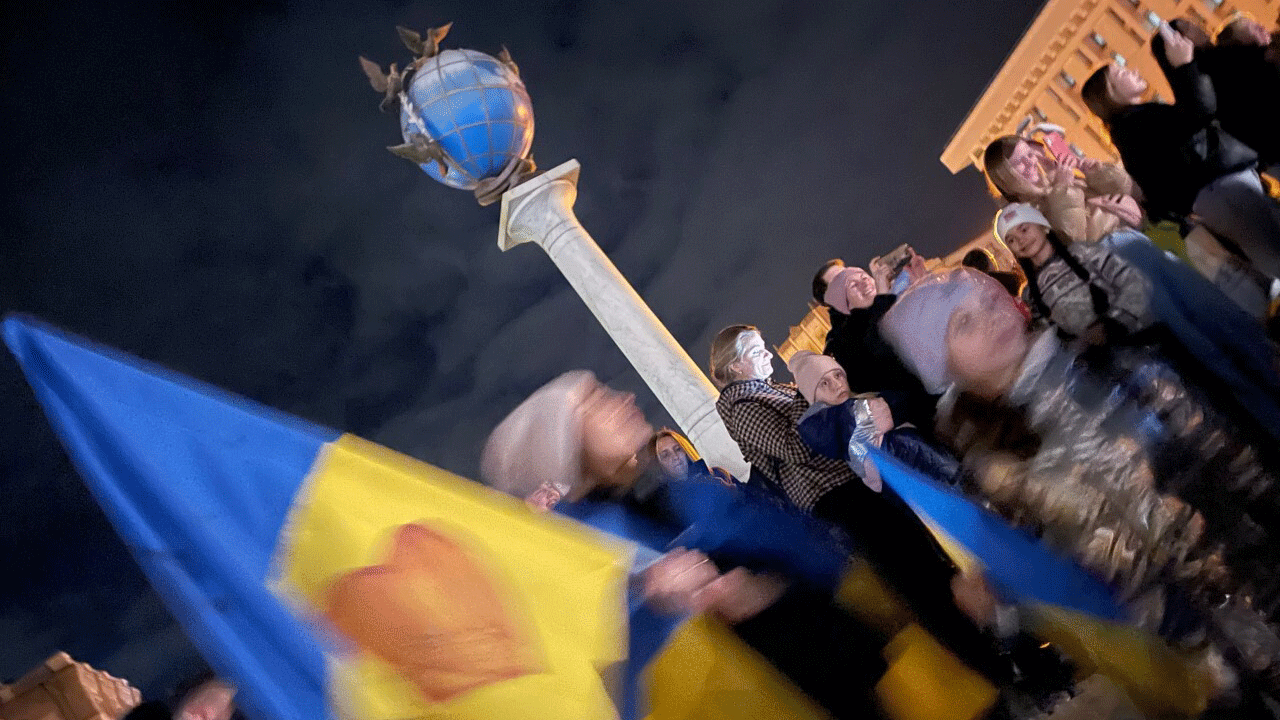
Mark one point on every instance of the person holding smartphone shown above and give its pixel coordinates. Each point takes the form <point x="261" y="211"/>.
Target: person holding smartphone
<point x="856" y="300"/>
<point x="1196" y="319"/>
<point x="1180" y="156"/>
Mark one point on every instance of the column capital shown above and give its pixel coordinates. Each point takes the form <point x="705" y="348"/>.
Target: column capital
<point x="562" y="178"/>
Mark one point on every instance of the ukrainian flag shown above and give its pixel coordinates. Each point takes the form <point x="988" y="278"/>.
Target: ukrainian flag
<point x="326" y="576"/>
<point x="1061" y="603"/>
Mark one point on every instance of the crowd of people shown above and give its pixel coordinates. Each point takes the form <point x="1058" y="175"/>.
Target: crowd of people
<point x="1119" y="403"/>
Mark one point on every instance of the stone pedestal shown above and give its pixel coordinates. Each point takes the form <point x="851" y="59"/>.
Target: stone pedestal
<point x="540" y="210"/>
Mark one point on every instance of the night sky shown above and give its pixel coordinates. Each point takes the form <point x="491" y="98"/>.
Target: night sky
<point x="205" y="185"/>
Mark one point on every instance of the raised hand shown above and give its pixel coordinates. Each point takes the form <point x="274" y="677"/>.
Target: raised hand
<point x="879" y="271"/>
<point x="881" y="415"/>
<point x="678" y="582"/>
<point x="1062" y="172"/>
<point x="1070" y="162"/>
<point x="1122" y="206"/>
<point x="1178" y="50"/>
<point x="975" y="598"/>
<point x="738" y="594"/>
<point x="1083" y="164"/>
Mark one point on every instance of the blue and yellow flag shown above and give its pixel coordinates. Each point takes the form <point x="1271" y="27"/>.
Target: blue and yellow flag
<point x="1062" y="603"/>
<point x="976" y="538"/>
<point x="326" y="576"/>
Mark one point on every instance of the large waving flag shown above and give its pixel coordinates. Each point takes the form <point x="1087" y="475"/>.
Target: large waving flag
<point x="329" y="577"/>
<point x="1017" y="563"/>
<point x="1061" y="602"/>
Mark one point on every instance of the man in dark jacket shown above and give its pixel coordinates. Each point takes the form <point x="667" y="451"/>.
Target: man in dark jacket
<point x="869" y="363"/>
<point x="1246" y="84"/>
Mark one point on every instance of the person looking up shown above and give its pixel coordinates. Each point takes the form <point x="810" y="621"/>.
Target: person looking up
<point x="762" y="415"/>
<point x="1112" y="458"/>
<point x="1181" y="159"/>
<point x="856" y="300"/>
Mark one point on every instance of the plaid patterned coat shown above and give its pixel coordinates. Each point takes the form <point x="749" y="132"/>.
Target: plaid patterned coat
<point x="761" y="416"/>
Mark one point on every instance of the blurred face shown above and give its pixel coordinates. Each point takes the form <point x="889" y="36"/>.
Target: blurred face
<point x="1252" y="31"/>
<point x="613" y="432"/>
<point x="672" y="458"/>
<point x="1027" y="162"/>
<point x="833" y="388"/>
<point x="859" y="286"/>
<point x="1125" y="85"/>
<point x="986" y="340"/>
<point x="1029" y="241"/>
<point x="756" y="362"/>
<point x="1192" y="31"/>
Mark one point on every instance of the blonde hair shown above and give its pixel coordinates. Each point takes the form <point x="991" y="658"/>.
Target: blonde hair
<point x="727" y="349"/>
<point x="680" y="440"/>
<point x="1002" y="181"/>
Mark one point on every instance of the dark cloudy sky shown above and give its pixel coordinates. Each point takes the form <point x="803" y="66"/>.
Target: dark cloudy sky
<point x="204" y="185"/>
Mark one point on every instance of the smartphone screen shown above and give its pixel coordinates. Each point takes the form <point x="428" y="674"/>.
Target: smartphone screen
<point x="1057" y="145"/>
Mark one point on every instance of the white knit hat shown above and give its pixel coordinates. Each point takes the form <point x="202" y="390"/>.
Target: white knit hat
<point x="1015" y="214"/>
<point x="541" y="440"/>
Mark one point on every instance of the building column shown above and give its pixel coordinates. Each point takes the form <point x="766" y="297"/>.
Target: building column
<point x="540" y="210"/>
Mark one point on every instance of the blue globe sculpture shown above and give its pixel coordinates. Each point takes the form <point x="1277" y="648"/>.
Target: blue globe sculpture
<point x="478" y="111"/>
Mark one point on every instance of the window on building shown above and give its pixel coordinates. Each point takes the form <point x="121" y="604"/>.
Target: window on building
<point x="1066" y="79"/>
<point x="1128" y="25"/>
<point x="1076" y="150"/>
<point x="1213" y="4"/>
<point x="1039" y="114"/>
<point x="1197" y="17"/>
<point x="1135" y="3"/>
<point x="1098" y="39"/>
<point x="1152" y="20"/>
<point x="1157" y="97"/>
<point x="1063" y="109"/>
<point x="1103" y="140"/>
<point x="1118" y="59"/>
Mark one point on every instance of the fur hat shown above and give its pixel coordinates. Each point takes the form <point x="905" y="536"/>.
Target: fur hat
<point x="1015" y="214"/>
<point x="808" y="369"/>
<point x="541" y="440"/>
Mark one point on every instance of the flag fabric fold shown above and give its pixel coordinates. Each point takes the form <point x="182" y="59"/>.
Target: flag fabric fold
<point x="326" y="576"/>
<point x="1018" y="564"/>
<point x="1062" y="603"/>
<point x="197" y="483"/>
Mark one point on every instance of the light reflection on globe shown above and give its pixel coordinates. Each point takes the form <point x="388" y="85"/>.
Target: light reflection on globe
<point x="476" y="108"/>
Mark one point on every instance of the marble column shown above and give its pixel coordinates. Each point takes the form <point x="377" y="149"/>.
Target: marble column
<point x="540" y="210"/>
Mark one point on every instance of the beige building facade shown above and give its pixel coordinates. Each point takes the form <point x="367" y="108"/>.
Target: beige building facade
<point x="1040" y="80"/>
<point x="810" y="334"/>
<point x="1040" y="83"/>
